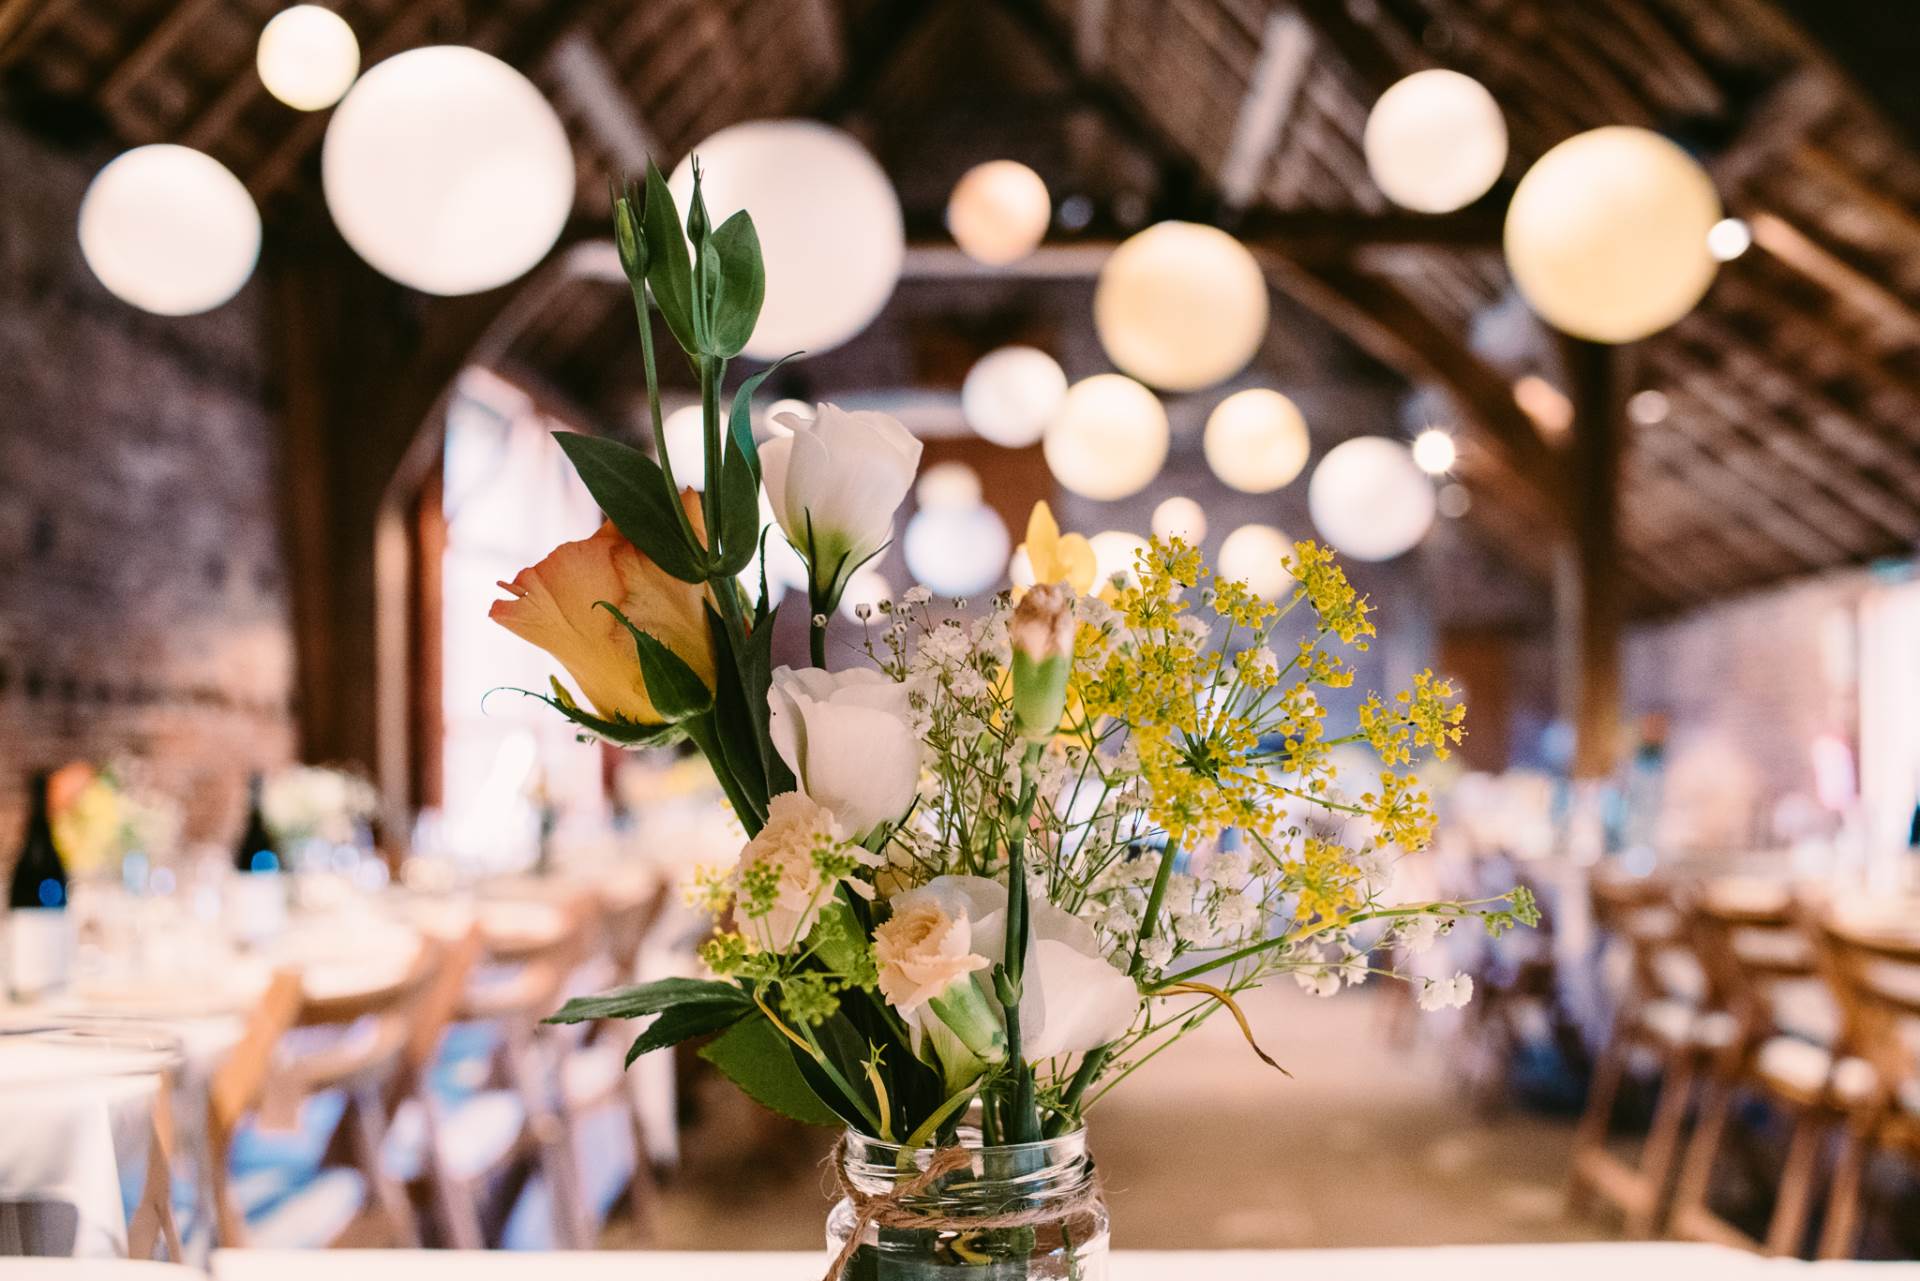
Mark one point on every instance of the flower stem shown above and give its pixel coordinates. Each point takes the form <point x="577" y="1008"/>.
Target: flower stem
<point x="816" y="632"/>
<point x="1022" y="1123"/>
<point x="1155" y="898"/>
<point x="643" y="309"/>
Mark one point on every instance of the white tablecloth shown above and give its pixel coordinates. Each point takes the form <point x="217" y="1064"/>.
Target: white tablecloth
<point x="1654" y="1261"/>
<point x="93" y="1270"/>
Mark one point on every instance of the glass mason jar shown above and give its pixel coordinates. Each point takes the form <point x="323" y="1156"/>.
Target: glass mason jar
<point x="1025" y="1210"/>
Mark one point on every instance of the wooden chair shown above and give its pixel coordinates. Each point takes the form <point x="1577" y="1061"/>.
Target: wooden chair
<point x="1661" y="1020"/>
<point x="1759" y="953"/>
<point x="351" y="1200"/>
<point x="1877" y="975"/>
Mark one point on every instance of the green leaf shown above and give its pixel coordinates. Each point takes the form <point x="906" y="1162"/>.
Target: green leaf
<point x="682" y="1023"/>
<point x="651" y="998"/>
<point x="756" y="678"/>
<point x="739" y="523"/>
<point x="633" y="493"/>
<point x="742" y="282"/>
<point x="620" y="733"/>
<point x="676" y="690"/>
<point x="734" y="727"/>
<point x="759" y="1060"/>
<point x="740" y="422"/>
<point x="669" y="269"/>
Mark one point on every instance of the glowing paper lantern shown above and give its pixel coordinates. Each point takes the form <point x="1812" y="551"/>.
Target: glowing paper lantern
<point x="1434" y="452"/>
<point x="685" y="430"/>
<point x="1256" y="440"/>
<point x="447" y="171"/>
<point x="866" y="588"/>
<point x="948" y="484"/>
<point x="830" y="228"/>
<point x="1011" y="394"/>
<point x="956" y="551"/>
<point x="998" y="212"/>
<point x="169" y="229"/>
<point x="1109" y="438"/>
<point x="307" y="57"/>
<point x="1115" y="552"/>
<point x="1435" y="142"/>
<point x="1181" y="306"/>
<point x="1607" y="234"/>
<point x="1728" y="239"/>
<point x="1256" y="555"/>
<point x="1181" y="518"/>
<point x="1369" y="499"/>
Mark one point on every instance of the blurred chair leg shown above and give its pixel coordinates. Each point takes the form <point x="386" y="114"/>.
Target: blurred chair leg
<point x="1840" y="1234"/>
<point x="1591" y="1135"/>
<point x="1692" y="1217"/>
<point x="369" y="1136"/>
<point x="1663" y="1145"/>
<point x="643" y="1194"/>
<point x="1788" y="1227"/>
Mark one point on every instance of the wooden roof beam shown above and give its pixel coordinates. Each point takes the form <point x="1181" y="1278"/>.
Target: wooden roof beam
<point x="588" y="82"/>
<point x="1286" y="50"/>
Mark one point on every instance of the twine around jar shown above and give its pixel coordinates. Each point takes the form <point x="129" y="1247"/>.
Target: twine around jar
<point x="889" y="1209"/>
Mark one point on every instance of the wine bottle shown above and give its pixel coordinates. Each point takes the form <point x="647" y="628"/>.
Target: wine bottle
<point x="39" y="930"/>
<point x="257" y="850"/>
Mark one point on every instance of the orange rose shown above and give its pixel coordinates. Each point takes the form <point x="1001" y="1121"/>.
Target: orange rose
<point x="555" y="606"/>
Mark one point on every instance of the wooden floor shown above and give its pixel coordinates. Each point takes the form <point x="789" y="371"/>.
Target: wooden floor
<point x="1369" y="1143"/>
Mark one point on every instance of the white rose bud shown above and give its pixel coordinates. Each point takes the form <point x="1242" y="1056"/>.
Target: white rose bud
<point x="834" y="485"/>
<point x="848" y="738"/>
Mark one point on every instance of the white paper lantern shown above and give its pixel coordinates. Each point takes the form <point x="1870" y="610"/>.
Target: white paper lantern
<point x="1434" y="451"/>
<point x="1369" y="499"/>
<point x="1607" y="234"/>
<point x="1435" y="141"/>
<point x="307" y="57"/>
<point x="866" y="587"/>
<point x="956" y="551"/>
<point x="1181" y="306"/>
<point x="831" y="233"/>
<point x="1182" y="518"/>
<point x="1257" y="556"/>
<point x="169" y="229"/>
<point x="1109" y="439"/>
<point x="1116" y="552"/>
<point x="686" y="432"/>
<point x="998" y="212"/>
<point x="1011" y="394"/>
<point x="785" y="569"/>
<point x="948" y="484"/>
<point x="1256" y="441"/>
<point x="447" y="171"/>
<point x="771" y="419"/>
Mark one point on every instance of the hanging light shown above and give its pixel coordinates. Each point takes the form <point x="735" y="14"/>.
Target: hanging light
<point x="1454" y="501"/>
<point x="1607" y="235"/>
<point x="949" y="484"/>
<point x="1180" y="306"/>
<point x="686" y="432"/>
<point x="1010" y="394"/>
<point x="1109" y="439"/>
<point x="1369" y="499"/>
<point x="1182" y="518"/>
<point x="998" y="212"/>
<point x="307" y="57"/>
<point x="446" y="170"/>
<point x="1255" y="441"/>
<point x="1116" y="554"/>
<point x="1728" y="239"/>
<point x="1434" y="452"/>
<point x="831" y="234"/>
<point x="956" y="551"/>
<point x="169" y="230"/>
<point x="1435" y="141"/>
<point x="866" y="588"/>
<point x="1257" y="556"/>
<point x="1648" y="407"/>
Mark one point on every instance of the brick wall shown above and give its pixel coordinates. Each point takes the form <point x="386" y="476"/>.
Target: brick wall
<point x="143" y="610"/>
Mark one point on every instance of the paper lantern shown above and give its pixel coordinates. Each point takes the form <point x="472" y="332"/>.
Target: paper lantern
<point x="1435" y="142"/>
<point x="998" y="212"/>
<point x="830" y="228"/>
<point x="1369" y="499"/>
<point x="1011" y="394"/>
<point x="1607" y="234"/>
<point x="1728" y="239"/>
<point x="686" y="432"/>
<point x="1181" y="306"/>
<point x="948" y="484"/>
<point x="447" y="171"/>
<point x="1109" y="438"/>
<point x="1182" y="518"/>
<point x="865" y="589"/>
<point x="169" y="230"/>
<point x="307" y="57"/>
<point x="1434" y="452"/>
<point x="1257" y="556"/>
<point x="1115" y="552"/>
<point x="956" y="551"/>
<point x="1256" y="441"/>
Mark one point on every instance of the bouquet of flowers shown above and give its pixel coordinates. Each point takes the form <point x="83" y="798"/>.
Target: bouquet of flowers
<point x="99" y="819"/>
<point x="307" y="803"/>
<point x="1020" y="849"/>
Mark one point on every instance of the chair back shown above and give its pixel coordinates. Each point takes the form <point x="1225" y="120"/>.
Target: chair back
<point x="1875" y="971"/>
<point x="1753" y="942"/>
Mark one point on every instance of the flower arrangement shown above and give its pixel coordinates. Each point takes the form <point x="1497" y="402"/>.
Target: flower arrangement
<point x="99" y="820"/>
<point x="304" y="803"/>
<point x="1021" y="850"/>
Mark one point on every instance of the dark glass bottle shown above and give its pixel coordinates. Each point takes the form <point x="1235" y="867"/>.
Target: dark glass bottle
<point x="39" y="931"/>
<point x="257" y="850"/>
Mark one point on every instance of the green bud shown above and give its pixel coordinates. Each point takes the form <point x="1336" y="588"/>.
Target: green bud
<point x="631" y="240"/>
<point x="1042" y="637"/>
<point x="970" y="1016"/>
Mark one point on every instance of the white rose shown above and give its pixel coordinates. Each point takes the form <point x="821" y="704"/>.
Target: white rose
<point x="1073" y="998"/>
<point x="797" y="829"/>
<point x="834" y="485"/>
<point x="848" y="738"/>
